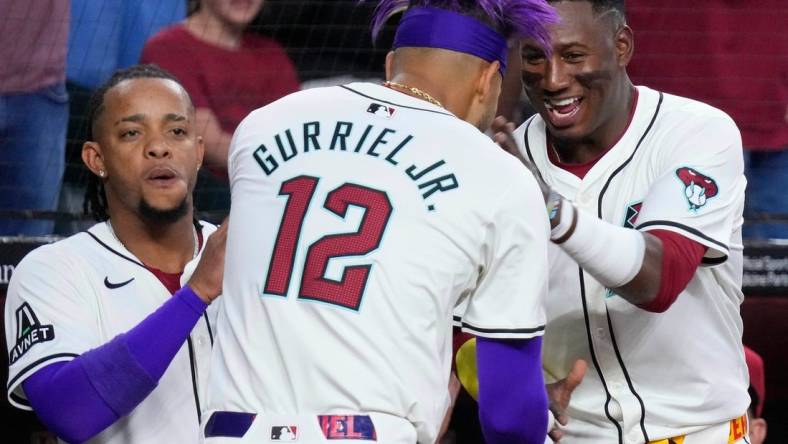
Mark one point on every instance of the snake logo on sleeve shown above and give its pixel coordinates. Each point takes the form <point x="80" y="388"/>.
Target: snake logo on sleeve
<point x="698" y="187"/>
<point x="29" y="332"/>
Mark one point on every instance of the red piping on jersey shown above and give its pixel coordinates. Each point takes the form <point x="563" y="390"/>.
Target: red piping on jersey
<point x="680" y="259"/>
<point x="581" y="169"/>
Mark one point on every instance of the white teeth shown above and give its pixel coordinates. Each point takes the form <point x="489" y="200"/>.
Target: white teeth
<point x="550" y="103"/>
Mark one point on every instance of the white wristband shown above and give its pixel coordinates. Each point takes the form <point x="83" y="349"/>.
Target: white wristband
<point x="567" y="210"/>
<point x="613" y="255"/>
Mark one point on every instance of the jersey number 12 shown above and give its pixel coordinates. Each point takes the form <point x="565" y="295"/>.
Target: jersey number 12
<point x="348" y="291"/>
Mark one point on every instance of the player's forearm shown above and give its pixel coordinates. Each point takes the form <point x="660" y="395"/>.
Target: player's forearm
<point x="512" y="397"/>
<point x="66" y="403"/>
<point x="643" y="288"/>
<point x="168" y="328"/>
<point x="622" y="259"/>
<point x="80" y="398"/>
<point x="635" y="265"/>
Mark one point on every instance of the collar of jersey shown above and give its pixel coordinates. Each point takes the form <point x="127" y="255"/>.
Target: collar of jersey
<point x="393" y="97"/>
<point x="102" y="232"/>
<point x="643" y="113"/>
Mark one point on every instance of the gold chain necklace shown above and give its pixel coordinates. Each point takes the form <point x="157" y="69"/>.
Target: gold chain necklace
<point x="413" y="90"/>
<point x="194" y="235"/>
<point x="555" y="151"/>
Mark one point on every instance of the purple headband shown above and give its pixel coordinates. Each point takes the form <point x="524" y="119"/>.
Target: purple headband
<point x="426" y="27"/>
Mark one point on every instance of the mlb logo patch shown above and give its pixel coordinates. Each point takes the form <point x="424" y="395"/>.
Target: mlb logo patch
<point x="347" y="427"/>
<point x="381" y="110"/>
<point x="284" y="433"/>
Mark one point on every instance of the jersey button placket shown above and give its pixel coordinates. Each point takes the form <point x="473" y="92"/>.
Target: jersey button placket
<point x="635" y="436"/>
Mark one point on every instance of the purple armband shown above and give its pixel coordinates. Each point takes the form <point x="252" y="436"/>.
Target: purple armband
<point x="80" y="398"/>
<point x="512" y="396"/>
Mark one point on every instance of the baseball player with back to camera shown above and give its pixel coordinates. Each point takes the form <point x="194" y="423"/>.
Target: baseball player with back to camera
<point x="646" y="192"/>
<point x="361" y="215"/>
<point x="105" y="345"/>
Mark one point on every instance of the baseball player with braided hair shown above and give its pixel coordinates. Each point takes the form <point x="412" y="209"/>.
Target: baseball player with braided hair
<point x="362" y="216"/>
<point x="108" y="331"/>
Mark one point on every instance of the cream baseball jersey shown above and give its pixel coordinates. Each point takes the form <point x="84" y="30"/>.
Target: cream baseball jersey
<point x="678" y="167"/>
<point x="74" y="295"/>
<point x="360" y="218"/>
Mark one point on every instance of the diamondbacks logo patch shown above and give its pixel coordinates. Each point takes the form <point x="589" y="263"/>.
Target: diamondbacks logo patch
<point x="347" y="427"/>
<point x="284" y="433"/>
<point x="381" y="110"/>
<point x="631" y="217"/>
<point x="29" y="332"/>
<point x="698" y="188"/>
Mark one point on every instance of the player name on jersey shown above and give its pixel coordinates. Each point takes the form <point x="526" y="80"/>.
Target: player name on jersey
<point x="341" y="137"/>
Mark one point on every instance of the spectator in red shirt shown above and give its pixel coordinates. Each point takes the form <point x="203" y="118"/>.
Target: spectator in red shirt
<point x="731" y="55"/>
<point x="227" y="70"/>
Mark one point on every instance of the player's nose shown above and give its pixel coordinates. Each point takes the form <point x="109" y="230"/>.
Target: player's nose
<point x="157" y="147"/>
<point x="555" y="77"/>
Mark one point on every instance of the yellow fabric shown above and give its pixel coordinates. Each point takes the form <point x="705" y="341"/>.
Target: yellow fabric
<point x="738" y="429"/>
<point x="466" y="367"/>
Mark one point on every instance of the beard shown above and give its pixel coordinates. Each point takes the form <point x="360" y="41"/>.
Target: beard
<point x="163" y="216"/>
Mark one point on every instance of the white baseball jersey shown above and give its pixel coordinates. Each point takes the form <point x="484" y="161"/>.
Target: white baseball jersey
<point x="360" y="217"/>
<point x="678" y="167"/>
<point x="79" y="293"/>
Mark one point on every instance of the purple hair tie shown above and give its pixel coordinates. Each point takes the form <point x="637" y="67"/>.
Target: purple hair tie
<point x="426" y="27"/>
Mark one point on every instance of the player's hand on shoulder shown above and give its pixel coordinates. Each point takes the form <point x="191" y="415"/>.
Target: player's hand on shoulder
<point x="206" y="280"/>
<point x="503" y="135"/>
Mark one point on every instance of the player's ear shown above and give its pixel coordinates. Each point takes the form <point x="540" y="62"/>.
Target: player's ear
<point x="389" y="64"/>
<point x="489" y="81"/>
<point x="200" y="151"/>
<point x="625" y="45"/>
<point x="93" y="158"/>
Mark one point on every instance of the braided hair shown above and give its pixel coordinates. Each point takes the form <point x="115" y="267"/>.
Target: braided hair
<point x="95" y="203"/>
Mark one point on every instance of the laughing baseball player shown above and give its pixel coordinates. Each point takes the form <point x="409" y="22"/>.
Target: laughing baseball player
<point x="646" y="192"/>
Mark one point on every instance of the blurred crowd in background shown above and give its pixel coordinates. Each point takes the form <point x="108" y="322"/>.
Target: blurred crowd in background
<point x="234" y="57"/>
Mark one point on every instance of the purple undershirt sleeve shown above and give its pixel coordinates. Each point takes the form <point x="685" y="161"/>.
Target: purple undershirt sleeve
<point x="80" y="398"/>
<point x="512" y="396"/>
